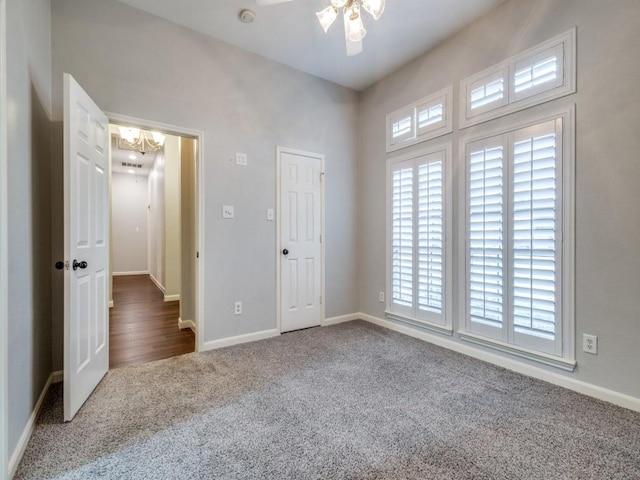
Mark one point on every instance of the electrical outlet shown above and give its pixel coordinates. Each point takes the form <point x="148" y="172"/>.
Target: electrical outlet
<point x="590" y="344"/>
<point x="241" y="158"/>
<point x="381" y="297"/>
<point x="270" y="214"/>
<point x="238" y="308"/>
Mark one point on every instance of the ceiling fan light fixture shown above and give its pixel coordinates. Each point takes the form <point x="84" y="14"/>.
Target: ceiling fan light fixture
<point x="374" y="7"/>
<point x="327" y="16"/>
<point x="356" y="27"/>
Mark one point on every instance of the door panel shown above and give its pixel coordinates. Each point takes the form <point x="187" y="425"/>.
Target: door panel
<point x="300" y="236"/>
<point x="86" y="317"/>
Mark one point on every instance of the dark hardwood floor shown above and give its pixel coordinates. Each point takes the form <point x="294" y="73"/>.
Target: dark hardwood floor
<point x="143" y="327"/>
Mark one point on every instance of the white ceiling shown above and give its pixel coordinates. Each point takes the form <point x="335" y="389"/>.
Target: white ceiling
<point x="289" y="33"/>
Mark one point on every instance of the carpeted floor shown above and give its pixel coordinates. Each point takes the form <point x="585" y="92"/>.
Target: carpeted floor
<point x="352" y="401"/>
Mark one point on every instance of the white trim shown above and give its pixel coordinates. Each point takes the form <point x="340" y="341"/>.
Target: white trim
<point x="279" y="151"/>
<point x="157" y="283"/>
<point x="184" y="324"/>
<point x="506" y="69"/>
<point x="617" y="398"/>
<point x="237" y="340"/>
<point x="18" y="452"/>
<point x="341" y="319"/>
<point x="4" y="272"/>
<point x="171" y="298"/>
<point x="198" y="135"/>
<point x="57" y="376"/>
<point x="123" y="274"/>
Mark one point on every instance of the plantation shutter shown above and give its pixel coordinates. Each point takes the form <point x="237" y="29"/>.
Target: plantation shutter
<point x="418" y="238"/>
<point x="538" y="73"/>
<point x="485" y="242"/>
<point x="402" y="237"/>
<point x="535" y="233"/>
<point x="430" y="237"/>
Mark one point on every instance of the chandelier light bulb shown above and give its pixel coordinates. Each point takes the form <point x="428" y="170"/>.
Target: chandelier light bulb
<point x="130" y="134"/>
<point x="339" y="3"/>
<point x="327" y="16"/>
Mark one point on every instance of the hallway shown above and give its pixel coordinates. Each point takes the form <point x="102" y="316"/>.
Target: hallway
<point x="143" y="327"/>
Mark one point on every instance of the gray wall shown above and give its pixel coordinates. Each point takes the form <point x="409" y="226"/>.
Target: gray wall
<point x="608" y="170"/>
<point x="129" y="200"/>
<point x="29" y="221"/>
<point x="243" y="103"/>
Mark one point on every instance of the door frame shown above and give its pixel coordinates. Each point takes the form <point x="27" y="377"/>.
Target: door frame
<point x="4" y="272"/>
<point x="279" y="151"/>
<point x="198" y="135"/>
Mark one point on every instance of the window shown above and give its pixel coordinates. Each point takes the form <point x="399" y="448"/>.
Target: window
<point x="428" y="118"/>
<point x="418" y="252"/>
<point x="518" y="236"/>
<point x="537" y="75"/>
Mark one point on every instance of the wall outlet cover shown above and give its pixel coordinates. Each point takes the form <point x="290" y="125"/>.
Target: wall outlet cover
<point x="241" y="159"/>
<point x="227" y="211"/>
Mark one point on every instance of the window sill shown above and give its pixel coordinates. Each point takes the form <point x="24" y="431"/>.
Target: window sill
<point x="414" y="322"/>
<point x="550" y="360"/>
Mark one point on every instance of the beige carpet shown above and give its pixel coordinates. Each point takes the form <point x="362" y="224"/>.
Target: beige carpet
<point x="352" y="401"/>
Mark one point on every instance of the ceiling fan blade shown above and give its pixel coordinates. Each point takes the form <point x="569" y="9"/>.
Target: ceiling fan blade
<point x="263" y="3"/>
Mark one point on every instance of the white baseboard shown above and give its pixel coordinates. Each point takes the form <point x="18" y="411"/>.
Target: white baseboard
<point x="182" y="324"/>
<point x="611" y="396"/>
<point x="171" y="298"/>
<point x="122" y="274"/>
<point x="158" y="284"/>
<point x="341" y="319"/>
<point x="230" y="341"/>
<point x="16" y="456"/>
<point x="57" y="377"/>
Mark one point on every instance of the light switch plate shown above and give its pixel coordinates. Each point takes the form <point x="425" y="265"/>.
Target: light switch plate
<point x="270" y="214"/>
<point x="241" y="158"/>
<point x="227" y="211"/>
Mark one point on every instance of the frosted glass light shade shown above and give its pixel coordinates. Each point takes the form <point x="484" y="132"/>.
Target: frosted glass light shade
<point x="374" y="7"/>
<point x="354" y="20"/>
<point x="327" y="16"/>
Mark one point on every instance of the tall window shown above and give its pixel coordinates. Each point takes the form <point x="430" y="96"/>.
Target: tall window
<point x="514" y="278"/>
<point x="418" y="258"/>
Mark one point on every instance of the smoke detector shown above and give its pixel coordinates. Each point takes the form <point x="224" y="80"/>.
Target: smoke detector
<point x="246" y="15"/>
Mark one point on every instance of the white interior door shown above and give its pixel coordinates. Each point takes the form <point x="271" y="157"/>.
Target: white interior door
<point x="86" y="244"/>
<point x="300" y="239"/>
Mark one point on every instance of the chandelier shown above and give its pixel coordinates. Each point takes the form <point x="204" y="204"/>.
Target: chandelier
<point x="142" y="141"/>
<point x="354" y="30"/>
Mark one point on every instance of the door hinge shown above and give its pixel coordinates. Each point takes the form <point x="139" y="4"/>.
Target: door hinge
<point x="321" y="176"/>
<point x="320" y="238"/>
<point x="197" y="254"/>
<point x="320" y="299"/>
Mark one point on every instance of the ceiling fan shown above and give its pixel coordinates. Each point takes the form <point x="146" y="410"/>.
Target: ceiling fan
<point x="354" y="30"/>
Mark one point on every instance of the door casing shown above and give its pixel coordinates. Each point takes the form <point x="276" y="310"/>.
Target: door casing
<point x="198" y="135"/>
<point x="4" y="342"/>
<point x="279" y="151"/>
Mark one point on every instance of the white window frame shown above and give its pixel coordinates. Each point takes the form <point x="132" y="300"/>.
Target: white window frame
<point x="564" y="356"/>
<point x="403" y="315"/>
<point x="564" y="45"/>
<point x="418" y="135"/>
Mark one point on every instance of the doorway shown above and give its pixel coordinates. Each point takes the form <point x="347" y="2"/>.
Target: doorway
<point x="153" y="245"/>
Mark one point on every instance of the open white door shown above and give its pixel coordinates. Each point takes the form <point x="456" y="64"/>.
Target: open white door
<point x="86" y="246"/>
<point x="300" y="239"/>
